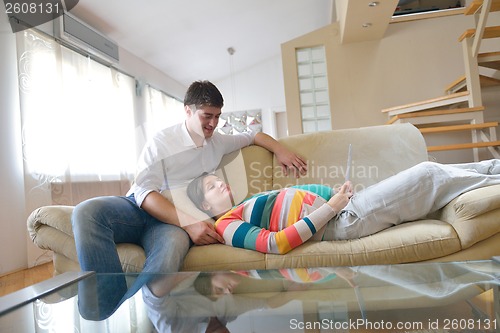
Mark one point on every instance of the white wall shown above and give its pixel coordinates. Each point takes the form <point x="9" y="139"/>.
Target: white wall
<point x="12" y="219"/>
<point x="258" y="87"/>
<point x="414" y="61"/>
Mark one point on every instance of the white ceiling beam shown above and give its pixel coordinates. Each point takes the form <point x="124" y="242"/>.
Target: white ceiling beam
<point x="364" y="20"/>
<point x="333" y="12"/>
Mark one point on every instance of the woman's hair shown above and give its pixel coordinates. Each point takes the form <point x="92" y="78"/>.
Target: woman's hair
<point x="203" y="93"/>
<point x="195" y="191"/>
<point x="203" y="284"/>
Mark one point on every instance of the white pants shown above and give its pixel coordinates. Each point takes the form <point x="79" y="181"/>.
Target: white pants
<point x="408" y="196"/>
<point x="435" y="280"/>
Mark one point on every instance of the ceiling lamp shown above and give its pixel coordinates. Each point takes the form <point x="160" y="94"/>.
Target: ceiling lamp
<point x="231" y="51"/>
<point x="371" y="4"/>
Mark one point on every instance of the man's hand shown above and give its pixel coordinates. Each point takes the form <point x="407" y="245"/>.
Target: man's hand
<point x="164" y="210"/>
<point x="287" y="159"/>
<point x="215" y="326"/>
<point x="291" y="161"/>
<point x="200" y="232"/>
<point x="203" y="233"/>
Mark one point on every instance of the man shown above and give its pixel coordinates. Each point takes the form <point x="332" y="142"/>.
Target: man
<point x="171" y="159"/>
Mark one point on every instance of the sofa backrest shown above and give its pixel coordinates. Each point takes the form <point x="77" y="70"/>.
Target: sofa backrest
<point x="248" y="171"/>
<point x="377" y="153"/>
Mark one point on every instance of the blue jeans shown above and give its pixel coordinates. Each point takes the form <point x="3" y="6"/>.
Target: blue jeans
<point x="98" y="225"/>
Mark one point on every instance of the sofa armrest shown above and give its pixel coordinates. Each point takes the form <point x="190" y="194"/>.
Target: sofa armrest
<point x="58" y="217"/>
<point x="474" y="214"/>
<point x="50" y="228"/>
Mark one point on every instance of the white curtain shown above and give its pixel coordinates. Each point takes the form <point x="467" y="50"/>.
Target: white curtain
<point x="62" y="316"/>
<point x="77" y="121"/>
<point x="83" y="125"/>
<point x="161" y="110"/>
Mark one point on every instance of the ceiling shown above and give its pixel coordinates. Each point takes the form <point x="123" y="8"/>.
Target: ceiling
<point x="189" y="39"/>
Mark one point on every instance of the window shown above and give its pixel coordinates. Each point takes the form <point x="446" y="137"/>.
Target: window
<point x="313" y="87"/>
<point x="161" y="110"/>
<point x="406" y="7"/>
<point x="77" y="115"/>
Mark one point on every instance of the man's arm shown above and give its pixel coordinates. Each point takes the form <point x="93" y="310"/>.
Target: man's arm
<point x="200" y="232"/>
<point x="288" y="160"/>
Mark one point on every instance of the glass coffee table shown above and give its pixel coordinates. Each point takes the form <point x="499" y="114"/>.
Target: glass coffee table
<point x="422" y="297"/>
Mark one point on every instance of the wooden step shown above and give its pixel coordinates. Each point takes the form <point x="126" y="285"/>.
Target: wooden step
<point x="456" y="86"/>
<point x="432" y="113"/>
<point x="489" y="32"/>
<point x="464" y="146"/>
<point x="490" y="60"/>
<point x="456" y="128"/>
<point x="428" y="104"/>
<point x="476" y="5"/>
<point x="460" y="84"/>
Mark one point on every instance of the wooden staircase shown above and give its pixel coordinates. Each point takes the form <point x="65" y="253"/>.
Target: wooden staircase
<point x="438" y="102"/>
<point x="461" y="85"/>
<point x="460" y="109"/>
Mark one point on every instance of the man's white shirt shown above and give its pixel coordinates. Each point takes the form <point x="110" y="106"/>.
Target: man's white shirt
<point x="171" y="159"/>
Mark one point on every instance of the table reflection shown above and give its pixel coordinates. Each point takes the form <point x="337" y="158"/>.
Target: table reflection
<point x="207" y="302"/>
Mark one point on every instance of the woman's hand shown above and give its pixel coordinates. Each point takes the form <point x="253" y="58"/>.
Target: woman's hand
<point x="347" y="274"/>
<point x="342" y="197"/>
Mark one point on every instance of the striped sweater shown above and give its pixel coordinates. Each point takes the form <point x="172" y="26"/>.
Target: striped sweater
<point x="276" y="221"/>
<point x="299" y="275"/>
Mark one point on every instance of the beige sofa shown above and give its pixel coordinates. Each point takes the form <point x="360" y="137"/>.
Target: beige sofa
<point x="467" y="228"/>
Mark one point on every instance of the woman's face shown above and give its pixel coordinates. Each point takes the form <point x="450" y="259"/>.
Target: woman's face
<point x="224" y="283"/>
<point x="217" y="194"/>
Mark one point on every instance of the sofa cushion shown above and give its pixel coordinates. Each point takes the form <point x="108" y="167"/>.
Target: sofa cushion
<point x="132" y="259"/>
<point x="408" y="242"/>
<point x="222" y="257"/>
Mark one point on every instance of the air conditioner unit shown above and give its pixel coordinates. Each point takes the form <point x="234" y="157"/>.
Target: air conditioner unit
<point x="75" y="33"/>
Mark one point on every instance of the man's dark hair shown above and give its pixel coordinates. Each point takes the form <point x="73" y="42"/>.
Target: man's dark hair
<point x="203" y="93"/>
